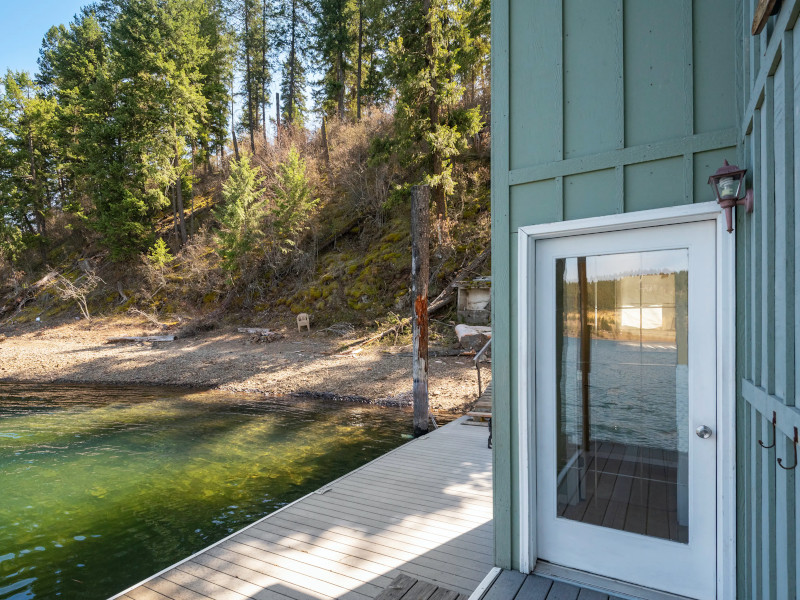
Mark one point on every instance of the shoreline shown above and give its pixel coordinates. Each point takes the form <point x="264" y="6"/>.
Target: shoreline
<point x="298" y="365"/>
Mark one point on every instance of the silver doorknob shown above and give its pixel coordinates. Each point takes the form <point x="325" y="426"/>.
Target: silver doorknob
<point x="704" y="431"/>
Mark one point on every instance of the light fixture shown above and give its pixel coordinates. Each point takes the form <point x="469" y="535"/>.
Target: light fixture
<point x="727" y="183"/>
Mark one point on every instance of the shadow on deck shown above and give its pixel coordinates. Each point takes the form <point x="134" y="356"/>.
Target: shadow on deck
<point x="423" y="510"/>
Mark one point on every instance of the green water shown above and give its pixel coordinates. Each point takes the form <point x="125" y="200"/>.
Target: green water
<point x="102" y="487"/>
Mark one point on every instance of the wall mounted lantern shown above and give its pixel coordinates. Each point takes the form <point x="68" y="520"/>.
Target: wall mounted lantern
<point x="727" y="183"/>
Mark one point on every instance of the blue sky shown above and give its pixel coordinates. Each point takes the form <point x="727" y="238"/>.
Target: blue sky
<point x="23" y="24"/>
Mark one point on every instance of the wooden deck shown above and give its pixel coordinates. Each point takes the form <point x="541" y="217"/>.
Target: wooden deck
<point x="627" y="487"/>
<point x="423" y="510"/>
<point x="512" y="585"/>
<point x="408" y="588"/>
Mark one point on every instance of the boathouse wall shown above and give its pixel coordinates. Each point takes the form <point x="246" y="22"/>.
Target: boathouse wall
<point x="600" y="107"/>
<point x="768" y="512"/>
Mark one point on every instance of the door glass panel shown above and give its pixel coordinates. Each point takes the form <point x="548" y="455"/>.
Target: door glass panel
<point x="622" y="389"/>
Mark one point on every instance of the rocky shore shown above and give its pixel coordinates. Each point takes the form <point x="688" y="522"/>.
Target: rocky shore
<point x="297" y="364"/>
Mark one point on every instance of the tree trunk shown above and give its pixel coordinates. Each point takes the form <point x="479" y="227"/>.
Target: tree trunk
<point x="179" y="206"/>
<point x="28" y="224"/>
<point x="38" y="208"/>
<point x="248" y="75"/>
<point x="191" y="215"/>
<point x="233" y="128"/>
<point x="360" y="49"/>
<point x="277" y="116"/>
<point x="179" y="189"/>
<point x="264" y="97"/>
<point x="290" y="112"/>
<point x="326" y="153"/>
<point x="420" y="272"/>
<point x="340" y="79"/>
<point x="174" y="214"/>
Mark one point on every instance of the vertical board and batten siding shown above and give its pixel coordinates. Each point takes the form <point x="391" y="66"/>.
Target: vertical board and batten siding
<point x="768" y="512"/>
<point x="598" y="107"/>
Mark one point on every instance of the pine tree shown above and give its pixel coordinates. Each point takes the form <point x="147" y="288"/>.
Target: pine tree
<point x="294" y="18"/>
<point x="425" y="56"/>
<point x="216" y="70"/>
<point x="27" y="160"/>
<point x="373" y="85"/>
<point x="242" y="214"/>
<point x="293" y="98"/>
<point x="294" y="201"/>
<point x="73" y="69"/>
<point x="157" y="50"/>
<point x="335" y="40"/>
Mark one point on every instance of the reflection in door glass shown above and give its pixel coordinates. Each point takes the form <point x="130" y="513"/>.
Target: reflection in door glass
<point x="622" y="389"/>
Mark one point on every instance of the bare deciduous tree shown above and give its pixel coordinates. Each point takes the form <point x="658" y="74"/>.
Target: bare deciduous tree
<point x="77" y="290"/>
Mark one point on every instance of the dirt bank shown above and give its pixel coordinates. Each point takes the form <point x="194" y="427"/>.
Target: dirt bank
<point x="225" y="359"/>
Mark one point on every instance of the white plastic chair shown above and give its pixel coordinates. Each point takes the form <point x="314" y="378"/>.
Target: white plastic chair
<point x="303" y="321"/>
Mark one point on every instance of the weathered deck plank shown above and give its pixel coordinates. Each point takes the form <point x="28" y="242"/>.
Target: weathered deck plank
<point x="512" y="585"/>
<point x="404" y="587"/>
<point x="356" y="538"/>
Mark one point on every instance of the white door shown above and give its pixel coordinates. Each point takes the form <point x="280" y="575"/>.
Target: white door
<point x="625" y="382"/>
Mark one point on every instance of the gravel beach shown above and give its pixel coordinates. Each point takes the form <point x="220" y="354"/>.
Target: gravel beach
<point x="300" y="363"/>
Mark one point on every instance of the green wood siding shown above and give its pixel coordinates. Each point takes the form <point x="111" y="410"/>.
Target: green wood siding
<point x="598" y="107"/>
<point x="767" y="257"/>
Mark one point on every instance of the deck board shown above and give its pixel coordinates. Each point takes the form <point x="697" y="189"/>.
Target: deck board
<point x="144" y="593"/>
<point x="630" y="488"/>
<point x="512" y="585"/>
<point x="371" y="550"/>
<point x="362" y="532"/>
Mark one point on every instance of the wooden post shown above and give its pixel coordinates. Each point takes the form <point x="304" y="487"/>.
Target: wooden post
<point x="420" y="272"/>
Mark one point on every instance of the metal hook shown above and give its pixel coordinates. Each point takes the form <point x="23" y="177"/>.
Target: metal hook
<point x="780" y="462"/>
<point x="774" y="421"/>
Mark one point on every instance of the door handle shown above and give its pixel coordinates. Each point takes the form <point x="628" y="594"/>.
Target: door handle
<point x="704" y="432"/>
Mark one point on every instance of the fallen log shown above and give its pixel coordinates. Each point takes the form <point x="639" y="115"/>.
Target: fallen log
<point x="258" y="330"/>
<point x="271" y="336"/>
<point x="142" y="338"/>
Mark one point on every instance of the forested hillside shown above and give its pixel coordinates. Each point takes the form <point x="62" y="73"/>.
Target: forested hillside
<point x="194" y="157"/>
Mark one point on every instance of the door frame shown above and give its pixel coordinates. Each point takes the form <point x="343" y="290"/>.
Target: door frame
<point x="726" y="362"/>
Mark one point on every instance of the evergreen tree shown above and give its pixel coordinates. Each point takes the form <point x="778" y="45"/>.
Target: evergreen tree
<point x="216" y="71"/>
<point x="294" y="18"/>
<point x="293" y="201"/>
<point x="372" y="83"/>
<point x="265" y="71"/>
<point x="241" y="216"/>
<point x="73" y="69"/>
<point x="27" y="160"/>
<point x="157" y="50"/>
<point x="474" y="57"/>
<point x="335" y="41"/>
<point x="293" y="98"/>
<point x="428" y="49"/>
<point x="251" y="44"/>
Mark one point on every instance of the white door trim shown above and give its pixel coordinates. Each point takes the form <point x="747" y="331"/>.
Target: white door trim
<point x="726" y="361"/>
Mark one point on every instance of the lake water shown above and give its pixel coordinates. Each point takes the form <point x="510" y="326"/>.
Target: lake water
<point x="102" y="487"/>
